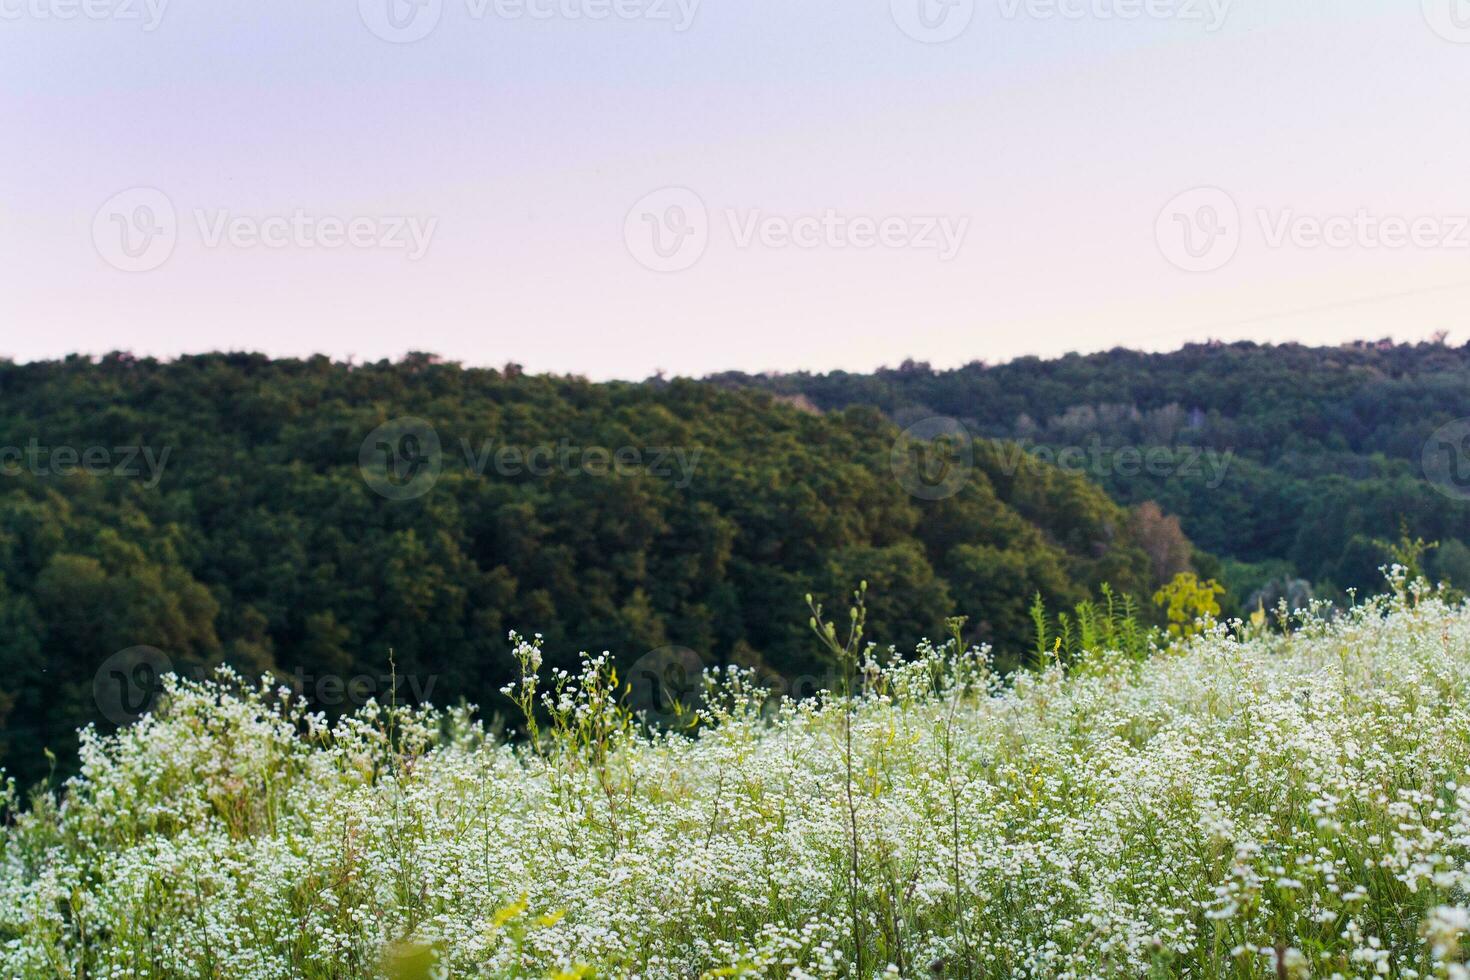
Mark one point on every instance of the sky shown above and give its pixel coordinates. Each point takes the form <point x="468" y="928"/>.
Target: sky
<point x="616" y="187"/>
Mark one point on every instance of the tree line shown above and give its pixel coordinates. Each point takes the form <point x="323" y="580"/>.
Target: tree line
<point x="1307" y="461"/>
<point x="343" y="524"/>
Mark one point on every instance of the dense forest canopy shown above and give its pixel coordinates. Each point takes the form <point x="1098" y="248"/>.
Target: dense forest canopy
<point x="354" y="523"/>
<point x="1308" y="458"/>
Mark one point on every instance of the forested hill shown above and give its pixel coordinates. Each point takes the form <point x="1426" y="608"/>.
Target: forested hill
<point x="1320" y="452"/>
<point x="310" y="517"/>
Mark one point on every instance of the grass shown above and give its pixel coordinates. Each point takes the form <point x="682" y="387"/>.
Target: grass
<point x="1247" y="804"/>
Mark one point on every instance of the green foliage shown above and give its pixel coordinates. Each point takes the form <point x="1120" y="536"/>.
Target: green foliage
<point x="1325" y="445"/>
<point x="1409" y="552"/>
<point x="262" y="545"/>
<point x="1189" y="604"/>
<point x="1109" y="625"/>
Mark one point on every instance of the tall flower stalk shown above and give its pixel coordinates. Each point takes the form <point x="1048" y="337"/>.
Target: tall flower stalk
<point x="846" y="652"/>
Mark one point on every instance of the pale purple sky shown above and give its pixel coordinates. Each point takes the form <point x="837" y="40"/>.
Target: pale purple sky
<point x="751" y="184"/>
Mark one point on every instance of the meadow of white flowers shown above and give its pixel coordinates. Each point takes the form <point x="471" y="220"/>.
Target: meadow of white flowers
<point x="1243" y="806"/>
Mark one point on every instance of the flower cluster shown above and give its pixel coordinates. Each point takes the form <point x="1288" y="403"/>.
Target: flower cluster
<point x="1248" y="805"/>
